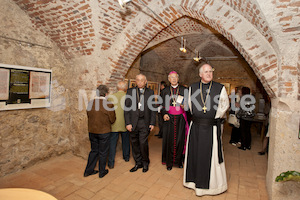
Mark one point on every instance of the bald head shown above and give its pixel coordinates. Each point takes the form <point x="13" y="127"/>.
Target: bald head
<point x="206" y="73"/>
<point x="141" y="80"/>
<point x="122" y="86"/>
<point x="204" y="65"/>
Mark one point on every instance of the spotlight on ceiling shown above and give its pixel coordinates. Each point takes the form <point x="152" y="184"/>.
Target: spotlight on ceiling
<point x="123" y="3"/>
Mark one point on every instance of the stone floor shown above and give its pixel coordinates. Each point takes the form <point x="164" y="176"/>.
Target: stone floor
<point x="63" y="178"/>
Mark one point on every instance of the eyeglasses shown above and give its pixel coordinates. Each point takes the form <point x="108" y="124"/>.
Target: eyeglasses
<point x="211" y="71"/>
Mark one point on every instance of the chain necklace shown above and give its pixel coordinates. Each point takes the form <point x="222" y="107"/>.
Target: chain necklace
<point x="204" y="108"/>
<point x="174" y="100"/>
<point x="138" y="97"/>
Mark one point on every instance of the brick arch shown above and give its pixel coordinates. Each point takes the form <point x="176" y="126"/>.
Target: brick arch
<point x="251" y="44"/>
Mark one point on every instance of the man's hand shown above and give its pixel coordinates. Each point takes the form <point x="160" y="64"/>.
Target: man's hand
<point x="129" y="127"/>
<point x="151" y="127"/>
<point x="166" y="117"/>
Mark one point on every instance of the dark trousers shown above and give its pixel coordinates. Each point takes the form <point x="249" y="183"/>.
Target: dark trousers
<point x="114" y="136"/>
<point x="160" y="124"/>
<point x="139" y="142"/>
<point x="99" y="150"/>
<point x="235" y="135"/>
<point x="245" y="127"/>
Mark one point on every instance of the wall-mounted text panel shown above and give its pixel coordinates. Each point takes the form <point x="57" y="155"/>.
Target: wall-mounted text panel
<point x="24" y="87"/>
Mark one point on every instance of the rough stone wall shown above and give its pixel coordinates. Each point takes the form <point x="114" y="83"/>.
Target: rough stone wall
<point x="284" y="153"/>
<point x="32" y="135"/>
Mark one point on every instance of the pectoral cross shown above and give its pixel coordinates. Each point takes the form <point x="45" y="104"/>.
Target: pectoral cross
<point x="174" y="103"/>
<point x="204" y="109"/>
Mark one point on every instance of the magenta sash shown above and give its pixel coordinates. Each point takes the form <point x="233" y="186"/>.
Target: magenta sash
<point x="178" y="111"/>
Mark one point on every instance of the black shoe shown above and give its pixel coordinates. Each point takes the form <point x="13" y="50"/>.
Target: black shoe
<point x="159" y="136"/>
<point x="169" y="168"/>
<point x="180" y="166"/>
<point x="248" y="147"/>
<point x="242" y="148"/>
<point x="261" y="153"/>
<point x="102" y="175"/>
<point x="145" y="168"/>
<point x="136" y="167"/>
<point x="94" y="172"/>
<point x="110" y="167"/>
<point x="126" y="159"/>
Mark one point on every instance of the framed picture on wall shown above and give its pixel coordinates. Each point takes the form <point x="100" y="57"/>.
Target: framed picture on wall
<point x="4" y="84"/>
<point x="153" y="86"/>
<point x="227" y="87"/>
<point x="131" y="83"/>
<point x="23" y="87"/>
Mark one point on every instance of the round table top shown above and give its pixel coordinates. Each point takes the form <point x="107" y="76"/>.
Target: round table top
<point x="24" y="194"/>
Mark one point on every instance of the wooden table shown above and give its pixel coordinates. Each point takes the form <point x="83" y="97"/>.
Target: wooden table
<point x="24" y="194"/>
<point x="261" y="125"/>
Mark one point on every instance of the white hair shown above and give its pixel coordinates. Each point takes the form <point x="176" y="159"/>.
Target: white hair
<point x="201" y="68"/>
<point x="176" y="74"/>
<point x="122" y="85"/>
<point x="141" y="75"/>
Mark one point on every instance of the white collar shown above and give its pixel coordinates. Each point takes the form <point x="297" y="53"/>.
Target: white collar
<point x="100" y="97"/>
<point x="174" y="86"/>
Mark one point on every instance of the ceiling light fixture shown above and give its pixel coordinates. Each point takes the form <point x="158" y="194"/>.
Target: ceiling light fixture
<point x="123" y="3"/>
<point x="198" y="57"/>
<point x="183" y="43"/>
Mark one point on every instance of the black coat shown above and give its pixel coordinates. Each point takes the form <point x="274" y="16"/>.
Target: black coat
<point x="167" y="91"/>
<point x="132" y="115"/>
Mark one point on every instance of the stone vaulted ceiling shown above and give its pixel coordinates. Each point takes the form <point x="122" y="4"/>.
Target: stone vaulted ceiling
<point x="76" y="26"/>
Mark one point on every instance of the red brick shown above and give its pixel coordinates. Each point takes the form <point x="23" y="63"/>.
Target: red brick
<point x="84" y="7"/>
<point x="288" y="84"/>
<point x="295" y="4"/>
<point x="287" y="18"/>
<point x="288" y="68"/>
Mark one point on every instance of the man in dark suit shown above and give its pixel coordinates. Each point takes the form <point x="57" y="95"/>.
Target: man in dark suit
<point x="139" y="120"/>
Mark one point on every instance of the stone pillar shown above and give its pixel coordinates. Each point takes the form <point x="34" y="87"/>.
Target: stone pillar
<point x="284" y="148"/>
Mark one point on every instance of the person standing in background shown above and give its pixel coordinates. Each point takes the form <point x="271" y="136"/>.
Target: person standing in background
<point x="163" y="85"/>
<point x="118" y="99"/>
<point x="236" y="131"/>
<point x="245" y="114"/>
<point x="101" y="115"/>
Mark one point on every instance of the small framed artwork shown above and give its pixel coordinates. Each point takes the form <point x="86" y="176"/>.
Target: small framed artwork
<point x="131" y="83"/>
<point x="227" y="87"/>
<point x="153" y="86"/>
<point x="299" y="130"/>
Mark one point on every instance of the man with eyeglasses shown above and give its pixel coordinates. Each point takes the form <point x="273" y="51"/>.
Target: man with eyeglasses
<point x="204" y="169"/>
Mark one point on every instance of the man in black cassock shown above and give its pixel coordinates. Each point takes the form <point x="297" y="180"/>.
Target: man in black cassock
<point x="204" y="168"/>
<point x="175" y="125"/>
